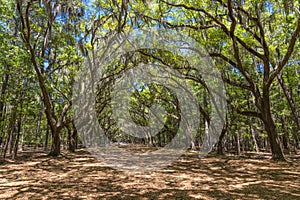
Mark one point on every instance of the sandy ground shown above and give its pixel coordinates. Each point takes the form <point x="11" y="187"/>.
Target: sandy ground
<point x="80" y="176"/>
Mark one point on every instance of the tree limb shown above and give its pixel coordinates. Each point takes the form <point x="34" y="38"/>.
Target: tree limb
<point x="288" y="54"/>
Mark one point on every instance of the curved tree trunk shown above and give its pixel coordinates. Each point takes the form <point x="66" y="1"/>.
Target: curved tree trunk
<point x="220" y="143"/>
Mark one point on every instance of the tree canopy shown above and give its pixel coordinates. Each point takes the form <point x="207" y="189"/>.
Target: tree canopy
<point x="253" y="44"/>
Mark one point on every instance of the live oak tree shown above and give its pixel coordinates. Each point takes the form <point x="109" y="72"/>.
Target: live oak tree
<point x="43" y="31"/>
<point x="246" y="36"/>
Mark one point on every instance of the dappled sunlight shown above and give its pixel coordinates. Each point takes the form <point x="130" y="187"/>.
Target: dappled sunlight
<point x="79" y="175"/>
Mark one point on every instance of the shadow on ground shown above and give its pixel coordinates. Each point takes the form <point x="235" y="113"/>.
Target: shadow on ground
<point x="80" y="176"/>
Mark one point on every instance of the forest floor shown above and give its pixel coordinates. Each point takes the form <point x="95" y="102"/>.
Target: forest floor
<point x="78" y="175"/>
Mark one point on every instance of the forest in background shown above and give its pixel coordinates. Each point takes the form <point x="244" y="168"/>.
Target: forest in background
<point x="254" y="44"/>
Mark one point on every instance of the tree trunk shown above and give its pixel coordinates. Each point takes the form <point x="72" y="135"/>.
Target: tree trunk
<point x="7" y="144"/>
<point x="72" y="137"/>
<point x="46" y="139"/>
<point x="251" y="125"/>
<point x="38" y="128"/>
<point x="3" y="91"/>
<point x="285" y="141"/>
<point x="23" y="141"/>
<point x="277" y="153"/>
<point x="10" y="137"/>
<point x="55" y="147"/>
<point x="220" y="143"/>
<point x="193" y="145"/>
<point x="296" y="141"/>
<point x="238" y="144"/>
<point x="16" y="146"/>
<point x="159" y="139"/>
<point x="62" y="140"/>
<point x="264" y="106"/>
<point x="270" y="127"/>
<point x="253" y="136"/>
<point x="11" y="141"/>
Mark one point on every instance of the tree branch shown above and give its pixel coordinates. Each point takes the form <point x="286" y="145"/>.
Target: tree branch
<point x="250" y="113"/>
<point x="180" y="25"/>
<point x="236" y="84"/>
<point x="63" y="114"/>
<point x="222" y="26"/>
<point x="287" y="55"/>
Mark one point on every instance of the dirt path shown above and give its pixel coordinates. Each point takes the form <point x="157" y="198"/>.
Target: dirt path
<point x="80" y="176"/>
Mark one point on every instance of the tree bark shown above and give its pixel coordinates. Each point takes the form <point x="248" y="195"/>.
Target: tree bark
<point x="46" y="139"/>
<point x="285" y="137"/>
<point x="3" y="91"/>
<point x="23" y="141"/>
<point x="238" y="144"/>
<point x="2" y="102"/>
<point x="296" y="141"/>
<point x="38" y="128"/>
<point x="253" y="136"/>
<point x="220" y="150"/>
<point x="263" y="104"/>
<point x="16" y="146"/>
<point x="10" y="138"/>
<point x="72" y="137"/>
<point x="55" y="146"/>
<point x="270" y="127"/>
<point x="159" y="144"/>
